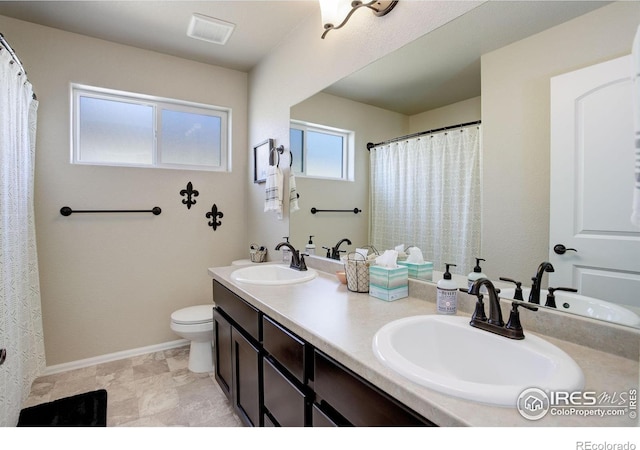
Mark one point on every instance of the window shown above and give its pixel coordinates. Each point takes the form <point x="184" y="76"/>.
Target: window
<point x="321" y="152"/>
<point x="117" y="128"/>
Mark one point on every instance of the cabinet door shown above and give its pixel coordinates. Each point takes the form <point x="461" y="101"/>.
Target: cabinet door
<point x="222" y="345"/>
<point x="247" y="374"/>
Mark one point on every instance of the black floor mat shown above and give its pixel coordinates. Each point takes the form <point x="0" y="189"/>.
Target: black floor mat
<point x="83" y="410"/>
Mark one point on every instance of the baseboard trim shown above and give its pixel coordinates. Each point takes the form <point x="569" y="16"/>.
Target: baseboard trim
<point x="50" y="370"/>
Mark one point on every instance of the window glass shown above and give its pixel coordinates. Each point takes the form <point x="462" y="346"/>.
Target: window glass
<point x="114" y="131"/>
<point x="192" y="139"/>
<point x="320" y="151"/>
<point x="324" y="155"/>
<point x="296" y="139"/>
<point x="127" y="129"/>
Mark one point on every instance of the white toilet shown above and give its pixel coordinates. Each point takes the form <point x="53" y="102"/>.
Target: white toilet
<point x="195" y="323"/>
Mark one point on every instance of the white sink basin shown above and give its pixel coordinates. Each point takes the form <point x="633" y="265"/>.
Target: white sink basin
<point x="583" y="305"/>
<point x="446" y="354"/>
<point x="272" y="274"/>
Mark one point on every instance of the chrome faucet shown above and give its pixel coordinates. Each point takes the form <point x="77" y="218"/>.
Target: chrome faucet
<point x="335" y="251"/>
<point x="495" y="324"/>
<point x="297" y="260"/>
<point x="534" y="295"/>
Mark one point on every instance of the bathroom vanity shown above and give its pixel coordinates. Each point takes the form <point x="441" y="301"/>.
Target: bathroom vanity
<point x="301" y="355"/>
<point x="275" y="378"/>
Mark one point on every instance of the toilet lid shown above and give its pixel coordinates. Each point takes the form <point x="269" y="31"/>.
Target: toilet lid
<point x="193" y="315"/>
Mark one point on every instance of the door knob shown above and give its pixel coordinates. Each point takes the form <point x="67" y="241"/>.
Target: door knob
<point x="561" y="249"/>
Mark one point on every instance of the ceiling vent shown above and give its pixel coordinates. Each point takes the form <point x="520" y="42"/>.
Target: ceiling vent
<point x="210" y="29"/>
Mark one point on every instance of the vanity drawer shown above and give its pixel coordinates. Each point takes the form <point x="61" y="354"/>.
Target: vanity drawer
<point x="284" y="401"/>
<point x="242" y="313"/>
<point x="358" y="401"/>
<point x="286" y="348"/>
<point x="320" y="419"/>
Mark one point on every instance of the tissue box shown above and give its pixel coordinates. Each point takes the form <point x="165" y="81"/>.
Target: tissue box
<point x="388" y="278"/>
<point x="389" y="295"/>
<point x="423" y="271"/>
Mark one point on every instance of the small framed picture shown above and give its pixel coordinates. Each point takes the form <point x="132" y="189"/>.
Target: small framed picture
<point x="261" y="160"/>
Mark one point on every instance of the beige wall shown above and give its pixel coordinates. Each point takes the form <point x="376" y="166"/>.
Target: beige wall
<point x="109" y="282"/>
<point x="454" y="114"/>
<point x="515" y="117"/>
<point x="369" y="124"/>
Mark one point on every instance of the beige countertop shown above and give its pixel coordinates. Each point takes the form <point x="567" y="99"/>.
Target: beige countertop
<point x="342" y="324"/>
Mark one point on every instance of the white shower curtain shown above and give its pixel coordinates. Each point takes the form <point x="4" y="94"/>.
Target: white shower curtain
<point x="426" y="192"/>
<point x="20" y="310"/>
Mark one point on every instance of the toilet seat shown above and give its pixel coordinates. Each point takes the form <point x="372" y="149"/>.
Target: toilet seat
<point x="193" y="315"/>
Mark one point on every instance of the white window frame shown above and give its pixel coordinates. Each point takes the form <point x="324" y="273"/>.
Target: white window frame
<point x="158" y="104"/>
<point x="348" y="143"/>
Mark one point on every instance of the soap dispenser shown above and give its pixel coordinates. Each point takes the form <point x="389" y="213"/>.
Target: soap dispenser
<point x="286" y="253"/>
<point x="310" y="248"/>
<point x="447" y="298"/>
<point x="476" y="274"/>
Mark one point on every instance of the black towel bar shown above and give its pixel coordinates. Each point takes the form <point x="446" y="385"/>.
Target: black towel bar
<point x="354" y="210"/>
<point x="66" y="211"/>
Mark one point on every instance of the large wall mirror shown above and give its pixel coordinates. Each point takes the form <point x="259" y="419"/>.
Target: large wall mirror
<point x="435" y="82"/>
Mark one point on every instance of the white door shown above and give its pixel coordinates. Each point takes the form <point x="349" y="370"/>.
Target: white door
<point x="592" y="179"/>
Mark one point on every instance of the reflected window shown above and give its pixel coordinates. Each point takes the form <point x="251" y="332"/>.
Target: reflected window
<point x="117" y="128"/>
<point x="319" y="151"/>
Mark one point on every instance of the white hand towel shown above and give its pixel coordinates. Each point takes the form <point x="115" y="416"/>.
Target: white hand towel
<point x="635" y="214"/>
<point x="273" y="191"/>
<point x="293" y="194"/>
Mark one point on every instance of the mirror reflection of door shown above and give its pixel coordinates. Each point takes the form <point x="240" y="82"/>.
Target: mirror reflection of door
<point x="592" y="179"/>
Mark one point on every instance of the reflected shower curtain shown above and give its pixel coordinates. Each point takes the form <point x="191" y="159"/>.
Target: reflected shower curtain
<point x="426" y="192"/>
<point x="20" y="310"/>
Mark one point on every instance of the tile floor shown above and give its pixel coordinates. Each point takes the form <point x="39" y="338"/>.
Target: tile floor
<point x="152" y="390"/>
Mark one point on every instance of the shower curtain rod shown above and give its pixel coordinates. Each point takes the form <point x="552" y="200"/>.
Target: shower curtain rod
<point x="13" y="55"/>
<point x="371" y="145"/>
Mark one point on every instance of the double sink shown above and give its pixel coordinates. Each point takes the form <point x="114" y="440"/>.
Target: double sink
<point x="447" y="355"/>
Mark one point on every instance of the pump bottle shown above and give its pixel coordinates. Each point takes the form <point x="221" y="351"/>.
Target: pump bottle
<point x="310" y="248"/>
<point x="286" y="253"/>
<point x="476" y="274"/>
<point x="447" y="298"/>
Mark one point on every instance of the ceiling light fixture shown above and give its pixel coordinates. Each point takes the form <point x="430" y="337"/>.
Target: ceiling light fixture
<point x="340" y="11"/>
<point x="209" y="29"/>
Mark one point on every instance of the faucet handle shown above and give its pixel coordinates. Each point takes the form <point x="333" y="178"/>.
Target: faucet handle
<point x="551" y="298"/>
<point x="518" y="293"/>
<point x="513" y="325"/>
<point x="524" y="304"/>
<point x="478" y="313"/>
<point x="302" y="264"/>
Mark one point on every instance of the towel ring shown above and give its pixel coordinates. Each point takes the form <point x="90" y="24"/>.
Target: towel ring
<point x="275" y="152"/>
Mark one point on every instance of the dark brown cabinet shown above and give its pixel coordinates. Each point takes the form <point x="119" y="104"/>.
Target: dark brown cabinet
<point x="287" y="396"/>
<point x="222" y="355"/>
<point x="274" y="378"/>
<point x="246" y="379"/>
<point x="238" y="357"/>
<point x="284" y="402"/>
<point x="344" y="398"/>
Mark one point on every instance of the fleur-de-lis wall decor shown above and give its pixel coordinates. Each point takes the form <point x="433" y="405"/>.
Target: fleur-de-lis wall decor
<point x="190" y="192"/>
<point x="214" y="215"/>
